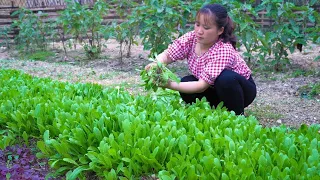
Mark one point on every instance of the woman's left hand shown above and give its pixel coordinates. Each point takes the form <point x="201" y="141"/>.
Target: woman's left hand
<point x="166" y="85"/>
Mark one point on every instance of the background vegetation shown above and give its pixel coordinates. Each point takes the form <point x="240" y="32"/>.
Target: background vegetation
<point x="158" y="22"/>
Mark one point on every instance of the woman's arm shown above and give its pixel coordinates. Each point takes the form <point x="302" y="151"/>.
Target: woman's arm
<point x="164" y="58"/>
<point x="178" y="50"/>
<point x="189" y="87"/>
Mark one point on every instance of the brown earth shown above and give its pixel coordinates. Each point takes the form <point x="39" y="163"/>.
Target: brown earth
<point x="279" y="99"/>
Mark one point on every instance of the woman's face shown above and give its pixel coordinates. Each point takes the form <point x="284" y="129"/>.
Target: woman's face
<point x="207" y="32"/>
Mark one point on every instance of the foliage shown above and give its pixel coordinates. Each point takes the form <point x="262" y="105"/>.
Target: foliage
<point x="32" y="30"/>
<point x="157" y="76"/>
<point x="4" y="36"/>
<point x="68" y="22"/>
<point x="159" y="21"/>
<point x="86" y="25"/>
<point x="125" y="34"/>
<point x="123" y="7"/>
<point x="313" y="32"/>
<point x="93" y="23"/>
<point x="87" y="128"/>
<point x="18" y="162"/>
<point x="282" y="37"/>
<point x="247" y="30"/>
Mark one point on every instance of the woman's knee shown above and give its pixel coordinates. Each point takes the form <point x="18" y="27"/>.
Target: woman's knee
<point x="226" y="79"/>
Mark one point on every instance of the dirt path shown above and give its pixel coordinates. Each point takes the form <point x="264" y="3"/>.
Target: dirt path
<point x="278" y="100"/>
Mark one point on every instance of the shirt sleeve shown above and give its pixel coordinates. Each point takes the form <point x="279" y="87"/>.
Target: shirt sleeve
<point x="218" y="61"/>
<point x="181" y="47"/>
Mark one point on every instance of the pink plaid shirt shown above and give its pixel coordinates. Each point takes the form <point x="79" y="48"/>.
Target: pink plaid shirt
<point x="209" y="65"/>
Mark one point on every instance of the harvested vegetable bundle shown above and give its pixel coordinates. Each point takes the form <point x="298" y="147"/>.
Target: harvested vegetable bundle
<point x="157" y="76"/>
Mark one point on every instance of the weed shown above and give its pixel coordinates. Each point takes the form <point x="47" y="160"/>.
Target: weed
<point x="310" y="91"/>
<point x="40" y="55"/>
<point x="302" y="72"/>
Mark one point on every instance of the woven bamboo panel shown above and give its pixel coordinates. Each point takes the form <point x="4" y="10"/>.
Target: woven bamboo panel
<point x="12" y="3"/>
<point x="39" y="3"/>
<point x="52" y="3"/>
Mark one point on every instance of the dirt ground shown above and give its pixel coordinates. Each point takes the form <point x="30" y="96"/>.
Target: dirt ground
<point x="279" y="99"/>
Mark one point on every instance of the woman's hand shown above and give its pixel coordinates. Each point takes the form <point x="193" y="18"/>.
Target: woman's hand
<point x="163" y="58"/>
<point x="150" y="65"/>
<point x="166" y="85"/>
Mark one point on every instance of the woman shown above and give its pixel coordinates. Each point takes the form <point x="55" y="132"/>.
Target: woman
<point x="218" y="71"/>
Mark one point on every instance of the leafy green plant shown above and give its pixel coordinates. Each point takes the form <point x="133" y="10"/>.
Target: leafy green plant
<point x="32" y="30"/>
<point x="93" y="24"/>
<point x="53" y="31"/>
<point x="247" y="30"/>
<point x="282" y="37"/>
<point x="71" y="18"/>
<point x="4" y="36"/>
<point x="85" y="24"/>
<point x="157" y="76"/>
<point x="123" y="7"/>
<point x="69" y="23"/>
<point x="279" y="40"/>
<point x="161" y="21"/>
<point x="125" y="34"/>
<point x="313" y="16"/>
<point x="87" y="129"/>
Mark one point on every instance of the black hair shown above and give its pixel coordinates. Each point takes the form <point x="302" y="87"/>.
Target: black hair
<point x="219" y="16"/>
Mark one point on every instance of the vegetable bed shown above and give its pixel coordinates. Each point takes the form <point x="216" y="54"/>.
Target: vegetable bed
<point x="86" y="128"/>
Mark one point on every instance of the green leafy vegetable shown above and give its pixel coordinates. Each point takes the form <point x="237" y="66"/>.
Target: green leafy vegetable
<point x="157" y="76"/>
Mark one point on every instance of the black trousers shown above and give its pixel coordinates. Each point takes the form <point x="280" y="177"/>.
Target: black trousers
<point x="234" y="90"/>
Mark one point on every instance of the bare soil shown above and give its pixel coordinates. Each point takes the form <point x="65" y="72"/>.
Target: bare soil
<point x="279" y="99"/>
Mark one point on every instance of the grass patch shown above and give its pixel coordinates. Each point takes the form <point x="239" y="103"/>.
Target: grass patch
<point x="40" y="55"/>
<point x="310" y="91"/>
<point x="263" y="113"/>
<point x="305" y="73"/>
<point x="109" y="75"/>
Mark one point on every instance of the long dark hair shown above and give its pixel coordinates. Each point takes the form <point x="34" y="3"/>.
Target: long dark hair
<point x="219" y="15"/>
